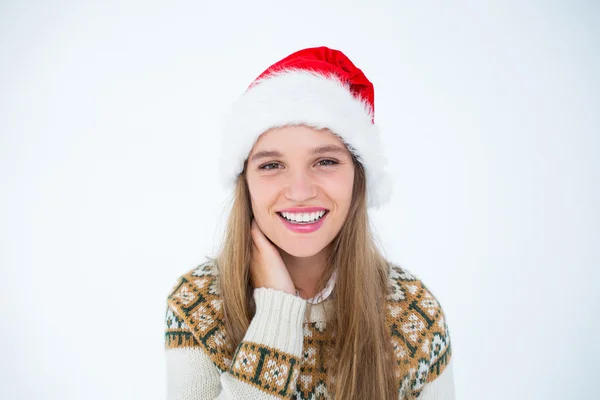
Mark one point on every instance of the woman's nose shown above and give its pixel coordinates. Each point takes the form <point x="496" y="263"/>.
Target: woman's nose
<point x="301" y="187"/>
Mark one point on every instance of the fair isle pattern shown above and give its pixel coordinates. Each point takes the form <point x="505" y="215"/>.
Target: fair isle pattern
<point x="178" y="334"/>
<point x="415" y="320"/>
<point x="313" y="380"/>
<point x="265" y="368"/>
<point x="420" y="336"/>
<point x="194" y="303"/>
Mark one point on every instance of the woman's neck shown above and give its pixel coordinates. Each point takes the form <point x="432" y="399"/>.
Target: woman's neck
<point x="306" y="271"/>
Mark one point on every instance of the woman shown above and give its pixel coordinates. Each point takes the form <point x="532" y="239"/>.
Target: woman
<point x="299" y="303"/>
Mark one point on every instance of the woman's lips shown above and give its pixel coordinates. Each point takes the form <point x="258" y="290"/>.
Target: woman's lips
<point x="304" y="227"/>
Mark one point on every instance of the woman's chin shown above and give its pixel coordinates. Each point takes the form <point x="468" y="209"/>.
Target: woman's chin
<point x="302" y="250"/>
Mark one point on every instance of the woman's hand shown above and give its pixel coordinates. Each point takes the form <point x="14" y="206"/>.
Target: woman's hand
<point x="267" y="268"/>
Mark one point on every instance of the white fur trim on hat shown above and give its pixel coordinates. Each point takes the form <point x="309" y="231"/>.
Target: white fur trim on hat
<point x="300" y="97"/>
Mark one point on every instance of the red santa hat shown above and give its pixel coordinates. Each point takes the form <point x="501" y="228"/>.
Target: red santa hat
<point x="317" y="87"/>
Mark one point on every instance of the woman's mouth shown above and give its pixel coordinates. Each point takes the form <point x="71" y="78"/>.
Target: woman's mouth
<point x="303" y="218"/>
<point x="303" y="222"/>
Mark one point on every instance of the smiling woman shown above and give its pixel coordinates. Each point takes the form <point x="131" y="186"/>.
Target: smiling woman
<point x="299" y="302"/>
<point x="312" y="172"/>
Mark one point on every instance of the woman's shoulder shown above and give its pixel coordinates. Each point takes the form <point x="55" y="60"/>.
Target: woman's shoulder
<point x="197" y="286"/>
<point x="196" y="301"/>
<point x="409" y="299"/>
<point x="200" y="281"/>
<point x="405" y="285"/>
<point x="417" y="323"/>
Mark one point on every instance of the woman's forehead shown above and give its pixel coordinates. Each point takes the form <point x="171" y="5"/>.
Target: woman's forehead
<point x="299" y="139"/>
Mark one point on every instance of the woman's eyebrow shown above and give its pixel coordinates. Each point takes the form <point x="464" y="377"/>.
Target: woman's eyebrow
<point x="330" y="148"/>
<point x="265" y="154"/>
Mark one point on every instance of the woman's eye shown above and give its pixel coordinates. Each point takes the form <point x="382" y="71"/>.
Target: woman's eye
<point x="269" y="166"/>
<point x="327" y="162"/>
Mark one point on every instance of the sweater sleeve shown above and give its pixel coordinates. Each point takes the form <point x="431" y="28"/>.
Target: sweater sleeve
<point x="264" y="366"/>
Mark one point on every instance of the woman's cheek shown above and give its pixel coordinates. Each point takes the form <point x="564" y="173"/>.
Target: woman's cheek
<point x="340" y="187"/>
<point x="264" y="205"/>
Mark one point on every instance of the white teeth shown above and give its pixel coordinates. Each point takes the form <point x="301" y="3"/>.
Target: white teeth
<point x="303" y="217"/>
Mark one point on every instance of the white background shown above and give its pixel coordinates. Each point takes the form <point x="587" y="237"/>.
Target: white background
<point x="109" y="135"/>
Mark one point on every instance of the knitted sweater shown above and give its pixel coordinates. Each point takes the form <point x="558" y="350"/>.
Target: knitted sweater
<point x="282" y="353"/>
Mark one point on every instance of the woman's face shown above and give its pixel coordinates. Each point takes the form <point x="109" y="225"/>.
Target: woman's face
<point x="300" y="181"/>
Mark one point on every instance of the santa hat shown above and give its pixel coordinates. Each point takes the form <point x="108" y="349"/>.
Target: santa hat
<point x="316" y="87"/>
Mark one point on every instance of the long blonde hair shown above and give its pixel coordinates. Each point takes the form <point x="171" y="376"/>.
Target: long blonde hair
<point x="362" y="361"/>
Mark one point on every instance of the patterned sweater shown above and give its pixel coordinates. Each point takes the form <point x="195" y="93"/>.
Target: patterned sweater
<point x="282" y="353"/>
